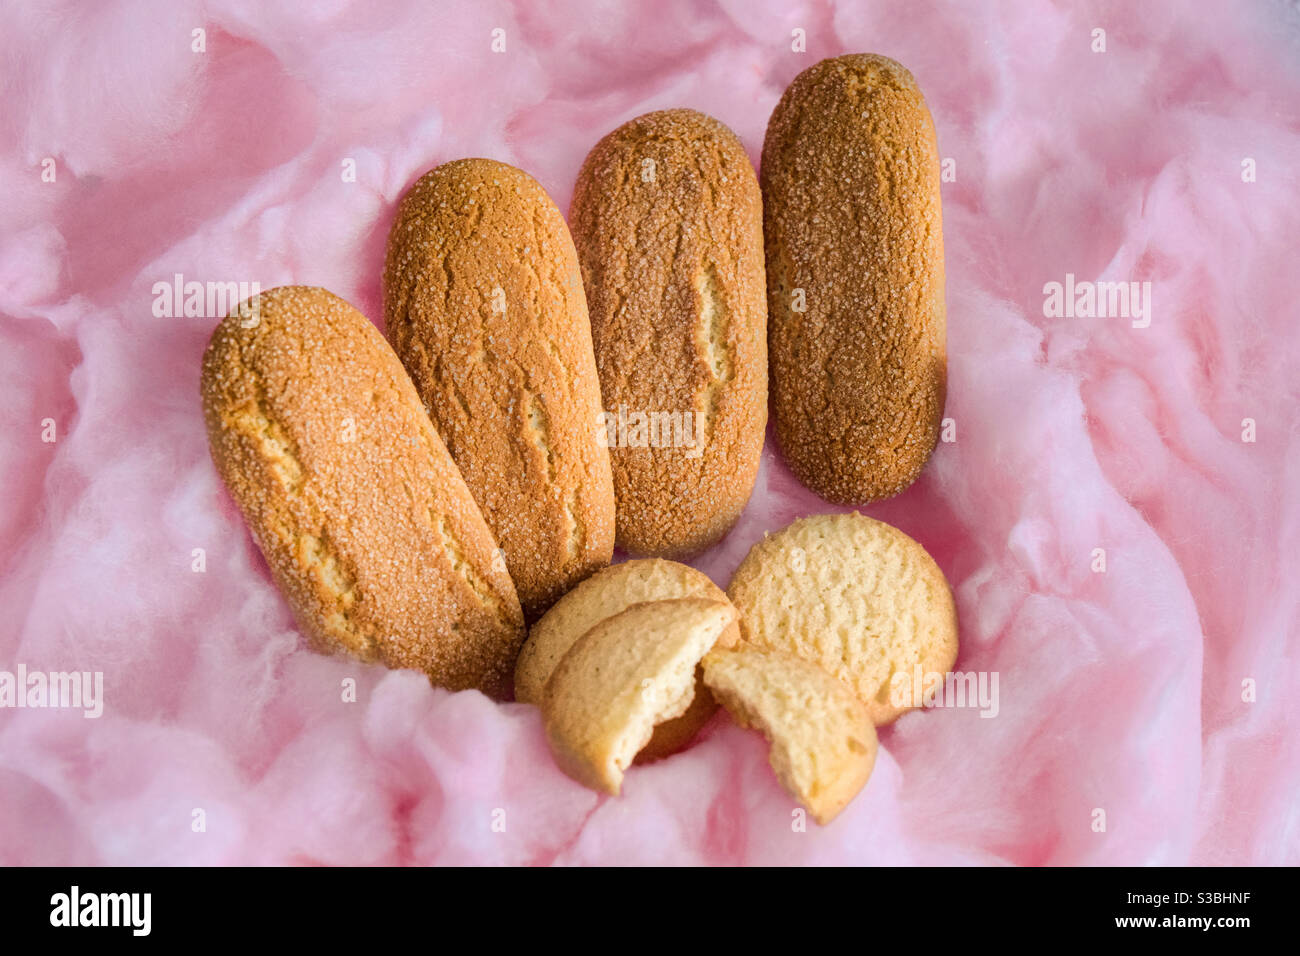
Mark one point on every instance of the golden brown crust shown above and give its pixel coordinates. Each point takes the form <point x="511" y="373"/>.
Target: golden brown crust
<point x="851" y="216"/>
<point x="667" y="218"/>
<point x="484" y="305"/>
<point x="608" y="592"/>
<point x="367" y="527"/>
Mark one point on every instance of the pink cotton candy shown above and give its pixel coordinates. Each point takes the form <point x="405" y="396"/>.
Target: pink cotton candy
<point x="1160" y="694"/>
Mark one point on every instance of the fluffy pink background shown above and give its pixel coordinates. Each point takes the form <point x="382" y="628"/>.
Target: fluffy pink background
<point x="1120" y="691"/>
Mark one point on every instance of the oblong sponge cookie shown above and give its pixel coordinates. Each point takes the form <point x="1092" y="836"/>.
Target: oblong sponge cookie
<point x="364" y="521"/>
<point x="484" y="305"/>
<point x="823" y="741"/>
<point x="604" y="594"/>
<point x="668" y="223"/>
<point x="855" y="276"/>
<point x="628" y="673"/>
<point x="855" y="596"/>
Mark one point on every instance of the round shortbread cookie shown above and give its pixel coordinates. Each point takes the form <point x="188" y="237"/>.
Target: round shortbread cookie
<point x="625" y="675"/>
<point x="823" y="741"/>
<point x="606" y="593"/>
<point x="855" y="596"/>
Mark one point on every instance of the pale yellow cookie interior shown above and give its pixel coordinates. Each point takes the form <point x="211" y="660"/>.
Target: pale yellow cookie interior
<point x="823" y="744"/>
<point x="628" y="673"/>
<point x="604" y="594"/>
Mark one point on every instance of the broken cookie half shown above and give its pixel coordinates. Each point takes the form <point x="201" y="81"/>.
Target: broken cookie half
<point x="823" y="740"/>
<point x="628" y="673"/>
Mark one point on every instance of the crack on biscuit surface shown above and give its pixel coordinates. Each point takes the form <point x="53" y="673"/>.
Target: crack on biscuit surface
<point x="711" y="338"/>
<point x="306" y="539"/>
<point x="455" y="553"/>
<point x="275" y="447"/>
<point x="577" y="530"/>
<point x="318" y="556"/>
<point x="539" y="431"/>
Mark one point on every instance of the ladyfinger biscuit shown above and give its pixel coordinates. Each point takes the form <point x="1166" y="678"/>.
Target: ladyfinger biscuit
<point x="855" y="596"/>
<point x="823" y="741"/>
<point x="667" y="218"/>
<point x="484" y="306"/>
<point x="604" y="594"/>
<point x="367" y="527"/>
<point x="855" y="278"/>
<point x="627" y="674"/>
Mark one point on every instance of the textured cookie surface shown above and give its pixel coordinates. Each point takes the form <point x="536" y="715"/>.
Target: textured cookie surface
<point x="667" y="218"/>
<point x="484" y="305"/>
<point x="823" y="741"/>
<point x="855" y="278"/>
<point x="628" y="673"/>
<point x="855" y="596"/>
<point x="368" y="529"/>
<point x="604" y="594"/>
